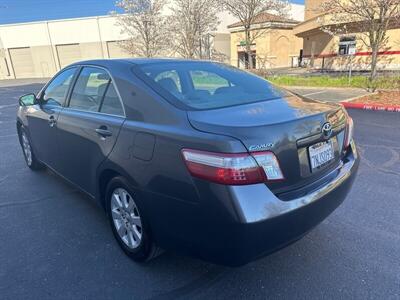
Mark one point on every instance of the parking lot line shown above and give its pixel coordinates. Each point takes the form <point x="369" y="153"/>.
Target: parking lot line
<point x="315" y="93"/>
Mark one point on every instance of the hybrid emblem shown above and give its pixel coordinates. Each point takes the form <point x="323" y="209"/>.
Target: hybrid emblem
<point x="327" y="130"/>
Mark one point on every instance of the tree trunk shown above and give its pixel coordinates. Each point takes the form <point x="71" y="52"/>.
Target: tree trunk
<point x="374" y="71"/>
<point x="248" y="48"/>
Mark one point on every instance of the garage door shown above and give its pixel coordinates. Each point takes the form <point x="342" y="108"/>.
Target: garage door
<point x="115" y="51"/>
<point x="22" y="62"/>
<point x="68" y="54"/>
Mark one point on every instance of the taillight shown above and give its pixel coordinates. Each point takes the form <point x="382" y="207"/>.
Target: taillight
<point x="268" y="161"/>
<point x="233" y="169"/>
<point x="349" y="132"/>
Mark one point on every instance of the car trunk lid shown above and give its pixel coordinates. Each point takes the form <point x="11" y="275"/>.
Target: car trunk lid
<point x="287" y="126"/>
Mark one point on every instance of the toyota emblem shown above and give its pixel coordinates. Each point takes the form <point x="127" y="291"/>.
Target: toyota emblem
<point x="327" y="130"/>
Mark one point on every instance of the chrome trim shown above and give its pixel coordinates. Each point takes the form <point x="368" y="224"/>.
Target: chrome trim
<point x="93" y="112"/>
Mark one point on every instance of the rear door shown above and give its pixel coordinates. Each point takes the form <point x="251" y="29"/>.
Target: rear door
<point x="88" y="126"/>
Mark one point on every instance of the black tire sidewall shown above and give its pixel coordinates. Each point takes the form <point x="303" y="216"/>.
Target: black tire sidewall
<point x="143" y="251"/>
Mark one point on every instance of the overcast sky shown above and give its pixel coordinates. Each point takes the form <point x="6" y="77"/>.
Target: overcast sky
<point x="16" y="11"/>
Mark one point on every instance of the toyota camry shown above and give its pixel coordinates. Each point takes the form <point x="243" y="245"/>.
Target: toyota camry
<point x="192" y="156"/>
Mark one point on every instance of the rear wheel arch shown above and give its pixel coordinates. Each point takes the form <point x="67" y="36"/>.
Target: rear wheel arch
<point x="104" y="178"/>
<point x="105" y="173"/>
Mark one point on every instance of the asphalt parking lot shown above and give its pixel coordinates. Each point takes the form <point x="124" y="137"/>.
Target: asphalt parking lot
<point x="329" y="94"/>
<point x="56" y="243"/>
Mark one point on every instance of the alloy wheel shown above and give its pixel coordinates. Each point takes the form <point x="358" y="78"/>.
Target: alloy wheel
<point x="27" y="149"/>
<point x="126" y="218"/>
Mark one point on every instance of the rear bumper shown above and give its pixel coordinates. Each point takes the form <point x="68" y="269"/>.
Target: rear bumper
<point x="233" y="225"/>
<point x="265" y="223"/>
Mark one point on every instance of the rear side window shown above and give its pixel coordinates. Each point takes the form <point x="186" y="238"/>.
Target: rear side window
<point x="89" y="89"/>
<point x="111" y="103"/>
<point x="206" y="85"/>
<point x="57" y="90"/>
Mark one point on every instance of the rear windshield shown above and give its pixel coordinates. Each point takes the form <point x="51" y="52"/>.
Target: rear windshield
<point x="207" y="85"/>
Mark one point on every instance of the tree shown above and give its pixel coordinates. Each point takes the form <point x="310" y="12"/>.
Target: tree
<point x="370" y="18"/>
<point x="145" y="25"/>
<point x="192" y="22"/>
<point x="247" y="10"/>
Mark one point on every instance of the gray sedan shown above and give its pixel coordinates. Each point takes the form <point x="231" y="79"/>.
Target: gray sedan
<point x="191" y="156"/>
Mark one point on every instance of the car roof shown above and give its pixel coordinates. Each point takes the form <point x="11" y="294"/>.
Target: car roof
<point x="136" y="61"/>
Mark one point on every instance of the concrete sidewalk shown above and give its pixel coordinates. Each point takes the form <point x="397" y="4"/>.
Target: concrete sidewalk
<point x="329" y="94"/>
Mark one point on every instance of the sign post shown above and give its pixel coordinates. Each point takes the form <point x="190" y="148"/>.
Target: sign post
<point x="352" y="53"/>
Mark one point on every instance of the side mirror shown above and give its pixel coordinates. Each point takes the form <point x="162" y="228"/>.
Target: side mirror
<point x="27" y="100"/>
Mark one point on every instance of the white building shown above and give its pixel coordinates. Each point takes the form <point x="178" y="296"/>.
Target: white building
<point x="40" y="49"/>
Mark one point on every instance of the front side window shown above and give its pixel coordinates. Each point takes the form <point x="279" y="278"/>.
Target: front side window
<point x="57" y="90"/>
<point x="89" y="89"/>
<point x="207" y="85"/>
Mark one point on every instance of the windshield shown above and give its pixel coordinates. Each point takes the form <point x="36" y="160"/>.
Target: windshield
<point x="208" y="85"/>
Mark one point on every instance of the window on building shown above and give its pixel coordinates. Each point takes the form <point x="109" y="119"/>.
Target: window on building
<point x="347" y="45"/>
<point x="244" y="62"/>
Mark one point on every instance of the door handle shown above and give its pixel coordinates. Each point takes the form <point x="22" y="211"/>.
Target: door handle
<point x="52" y="121"/>
<point x="103" y="131"/>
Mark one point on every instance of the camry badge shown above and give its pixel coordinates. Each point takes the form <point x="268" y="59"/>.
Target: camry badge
<point x="261" y="147"/>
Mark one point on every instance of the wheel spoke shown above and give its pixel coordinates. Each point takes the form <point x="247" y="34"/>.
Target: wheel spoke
<point x="124" y="196"/>
<point x="117" y="200"/>
<point x="136" y="221"/>
<point x="136" y="234"/>
<point x="116" y="214"/>
<point x="131" y="239"/>
<point x="121" y="231"/>
<point x="131" y="205"/>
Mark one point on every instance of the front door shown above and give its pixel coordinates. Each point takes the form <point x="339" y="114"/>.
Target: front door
<point x="42" y="118"/>
<point x="88" y="126"/>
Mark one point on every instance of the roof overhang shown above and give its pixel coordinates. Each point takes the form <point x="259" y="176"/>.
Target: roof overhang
<point x="265" y="25"/>
<point x="325" y="23"/>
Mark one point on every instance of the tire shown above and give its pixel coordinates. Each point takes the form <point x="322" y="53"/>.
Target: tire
<point x="128" y="221"/>
<point x="30" y="158"/>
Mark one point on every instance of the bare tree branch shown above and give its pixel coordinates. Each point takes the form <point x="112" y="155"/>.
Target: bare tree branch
<point x="192" y="21"/>
<point x="247" y="11"/>
<point x="146" y="26"/>
<point x="370" y="19"/>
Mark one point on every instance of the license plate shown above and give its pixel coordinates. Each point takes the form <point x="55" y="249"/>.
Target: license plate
<point x="321" y="154"/>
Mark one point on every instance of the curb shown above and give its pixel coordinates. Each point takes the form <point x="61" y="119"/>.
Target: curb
<point x="376" y="107"/>
<point x="288" y="87"/>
